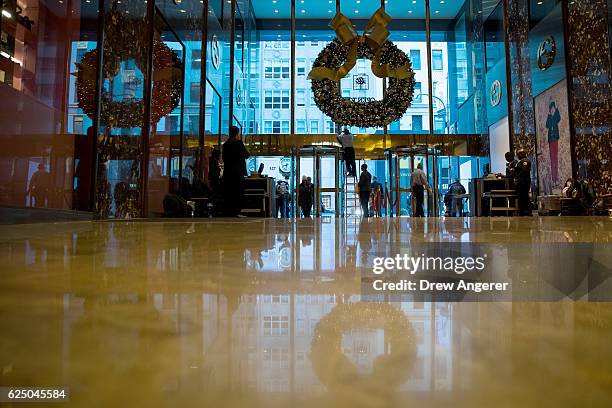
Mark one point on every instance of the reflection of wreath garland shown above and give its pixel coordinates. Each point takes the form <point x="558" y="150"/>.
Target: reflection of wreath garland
<point x="333" y="367"/>
<point x="375" y="113"/>
<point x="126" y="40"/>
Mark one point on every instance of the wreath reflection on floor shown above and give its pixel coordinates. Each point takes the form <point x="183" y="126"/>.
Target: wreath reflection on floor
<point x="335" y="370"/>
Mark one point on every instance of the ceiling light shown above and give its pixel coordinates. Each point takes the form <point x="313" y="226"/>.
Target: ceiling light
<point x="437" y="11"/>
<point x="5" y="54"/>
<point x="303" y="11"/>
<point x="540" y="3"/>
<point x="276" y="11"/>
<point x="183" y="11"/>
<point x="409" y="11"/>
<point x="329" y="11"/>
<point x="356" y="11"/>
<point x="7" y="14"/>
<point x="441" y="1"/>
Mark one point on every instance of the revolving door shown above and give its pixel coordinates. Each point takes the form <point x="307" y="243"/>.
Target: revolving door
<point x="323" y="165"/>
<point x="400" y="163"/>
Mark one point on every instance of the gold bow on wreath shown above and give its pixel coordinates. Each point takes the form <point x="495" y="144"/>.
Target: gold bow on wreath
<point x="375" y="36"/>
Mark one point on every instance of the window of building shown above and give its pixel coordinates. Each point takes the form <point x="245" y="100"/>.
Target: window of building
<point x="301" y="43"/>
<point x="255" y="98"/>
<point x="194" y="92"/>
<point x="193" y="124"/>
<point x="276" y="126"/>
<point x="77" y="123"/>
<point x="300" y="97"/>
<point x="314" y="126"/>
<point x="314" y="43"/>
<point x="253" y="128"/>
<point x="418" y="96"/>
<point x="330" y="127"/>
<point x="276" y="325"/>
<point x="300" y="126"/>
<point x="277" y="99"/>
<point x="417" y="122"/>
<point x="196" y="59"/>
<point x="346" y="93"/>
<point x="415" y="57"/>
<point x="436" y="60"/>
<point x="301" y="67"/>
<point x="276" y="69"/>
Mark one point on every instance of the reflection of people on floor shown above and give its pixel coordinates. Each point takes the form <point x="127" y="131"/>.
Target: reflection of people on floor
<point x="39" y="187"/>
<point x="345" y="137"/>
<point x="365" y="188"/>
<point x="234" y="170"/>
<point x="419" y="184"/>
<point x="454" y="204"/>
<point x="305" y="194"/>
<point x="552" y="124"/>
<point x="376" y="196"/>
<point x="522" y="182"/>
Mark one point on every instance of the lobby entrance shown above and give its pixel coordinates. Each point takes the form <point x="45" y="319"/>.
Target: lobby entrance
<point x="323" y="165"/>
<point x="401" y="161"/>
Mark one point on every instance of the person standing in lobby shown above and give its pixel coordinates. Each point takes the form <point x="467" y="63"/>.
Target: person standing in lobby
<point x="39" y="187"/>
<point x="522" y="182"/>
<point x="234" y="170"/>
<point x="365" y="188"/>
<point x="305" y="197"/>
<point x="419" y="185"/>
<point x="346" y="140"/>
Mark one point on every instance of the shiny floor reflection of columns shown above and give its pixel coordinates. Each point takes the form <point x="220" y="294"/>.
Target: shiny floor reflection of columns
<point x="254" y="313"/>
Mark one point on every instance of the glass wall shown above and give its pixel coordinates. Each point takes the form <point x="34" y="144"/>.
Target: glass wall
<point x="46" y="159"/>
<point x="271" y="70"/>
<point x="455" y="78"/>
<point x="409" y="33"/>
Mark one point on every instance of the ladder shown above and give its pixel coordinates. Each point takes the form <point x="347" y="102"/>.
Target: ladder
<point x="352" y="207"/>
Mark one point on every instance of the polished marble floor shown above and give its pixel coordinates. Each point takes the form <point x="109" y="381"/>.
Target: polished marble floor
<point x="267" y="313"/>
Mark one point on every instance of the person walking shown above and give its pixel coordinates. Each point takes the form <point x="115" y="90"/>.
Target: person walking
<point x="419" y="184"/>
<point x="305" y="197"/>
<point x="346" y="139"/>
<point x="365" y="188"/>
<point x="234" y="170"/>
<point x="282" y="197"/>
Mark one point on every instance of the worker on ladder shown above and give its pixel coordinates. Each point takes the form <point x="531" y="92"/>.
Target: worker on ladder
<point x="346" y="138"/>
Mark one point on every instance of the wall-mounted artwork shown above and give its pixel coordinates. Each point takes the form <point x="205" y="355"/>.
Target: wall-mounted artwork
<point x="553" y="137"/>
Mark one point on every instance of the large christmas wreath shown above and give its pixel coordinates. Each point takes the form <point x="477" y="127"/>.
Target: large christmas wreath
<point x="126" y="40"/>
<point x="338" y="58"/>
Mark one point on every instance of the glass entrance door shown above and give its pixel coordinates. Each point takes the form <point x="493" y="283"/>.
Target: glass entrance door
<point x="401" y="162"/>
<point x="322" y="165"/>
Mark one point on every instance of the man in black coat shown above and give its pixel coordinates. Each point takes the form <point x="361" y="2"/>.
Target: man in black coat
<point x="234" y="170"/>
<point x="522" y="182"/>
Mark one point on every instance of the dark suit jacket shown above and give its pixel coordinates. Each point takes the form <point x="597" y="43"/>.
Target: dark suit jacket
<point x="234" y="156"/>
